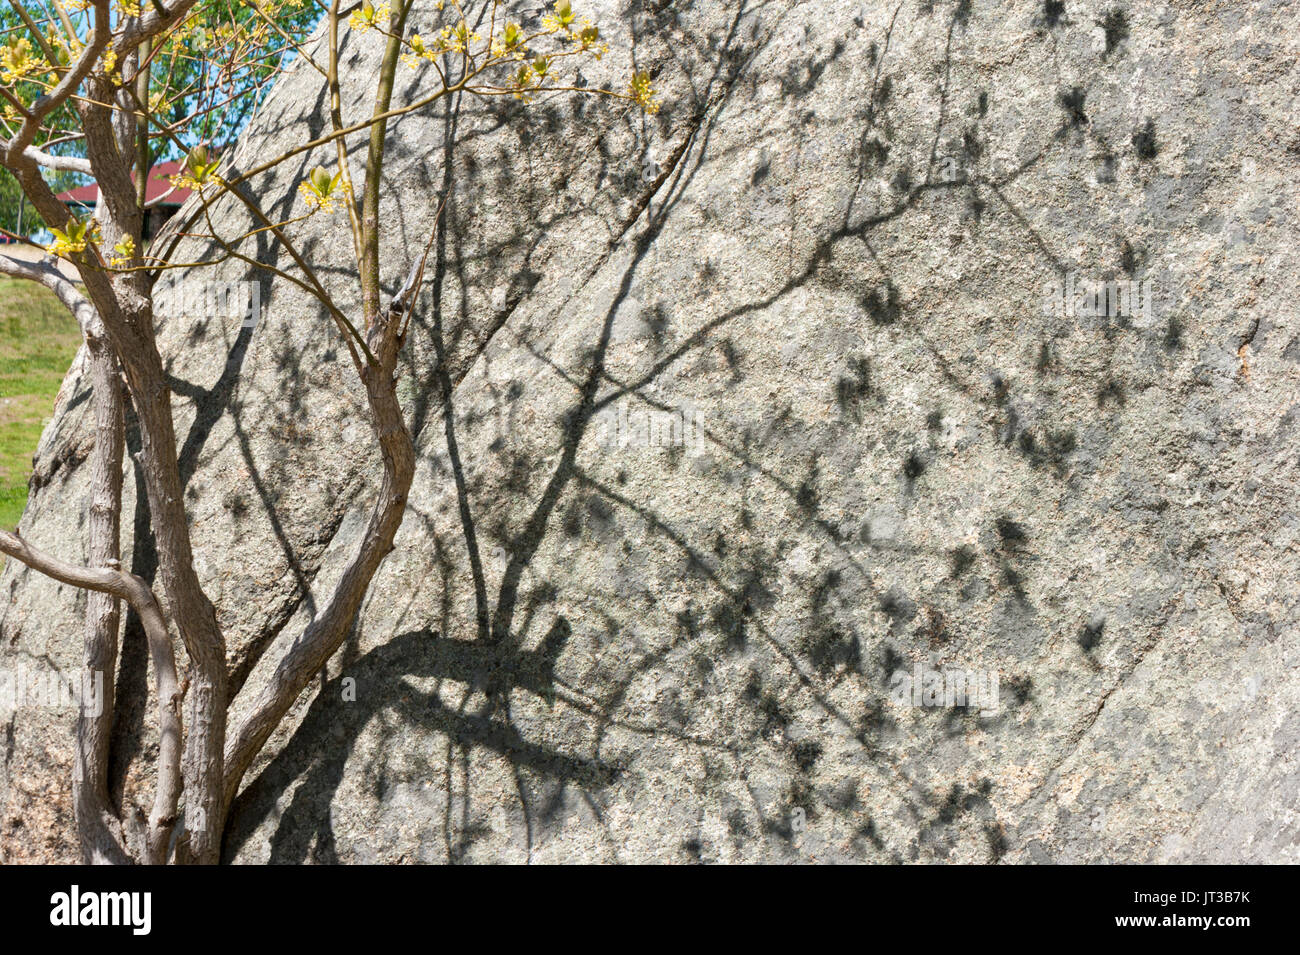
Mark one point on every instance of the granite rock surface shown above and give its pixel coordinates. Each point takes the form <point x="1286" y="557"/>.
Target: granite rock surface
<point x="736" y="420"/>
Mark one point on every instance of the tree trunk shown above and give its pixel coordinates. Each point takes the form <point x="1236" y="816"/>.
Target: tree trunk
<point x="97" y="824"/>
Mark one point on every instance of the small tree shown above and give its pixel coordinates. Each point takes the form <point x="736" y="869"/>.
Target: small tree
<point x="102" y="88"/>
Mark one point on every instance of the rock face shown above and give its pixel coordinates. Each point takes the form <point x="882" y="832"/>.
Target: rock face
<point x="746" y="415"/>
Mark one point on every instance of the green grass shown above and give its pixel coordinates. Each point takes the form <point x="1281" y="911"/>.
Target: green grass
<point x="38" y="339"/>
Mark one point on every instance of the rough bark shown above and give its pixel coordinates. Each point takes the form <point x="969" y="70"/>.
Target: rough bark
<point x="95" y="819"/>
<point x="127" y="586"/>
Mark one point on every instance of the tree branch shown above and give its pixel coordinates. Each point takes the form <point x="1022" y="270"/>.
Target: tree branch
<point x="127" y="586"/>
<point x="58" y="163"/>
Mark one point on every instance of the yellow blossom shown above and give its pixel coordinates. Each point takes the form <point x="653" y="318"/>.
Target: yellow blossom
<point x="16" y="60"/>
<point x="109" y="63"/>
<point x="125" y="250"/>
<point x="74" y="238"/>
<point x="320" y="192"/>
<point x="642" y="93"/>
<point x="419" y="51"/>
<point x="463" y="37"/>
<point x="368" y="16"/>
<point x="200" y="170"/>
<point x="562" y="19"/>
<point x="588" y="38"/>
<point x="523" y="83"/>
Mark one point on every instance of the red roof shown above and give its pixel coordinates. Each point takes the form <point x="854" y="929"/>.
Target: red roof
<point x="158" y="185"/>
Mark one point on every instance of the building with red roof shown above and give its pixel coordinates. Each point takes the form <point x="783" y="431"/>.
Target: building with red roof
<point x="159" y="188"/>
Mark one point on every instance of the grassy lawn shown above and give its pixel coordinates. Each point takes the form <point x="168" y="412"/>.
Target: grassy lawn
<point x="38" y="339"/>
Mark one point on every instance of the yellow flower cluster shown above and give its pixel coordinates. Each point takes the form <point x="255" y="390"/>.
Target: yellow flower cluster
<point x="531" y="76"/>
<point x="65" y="48"/>
<point x="74" y="238"/>
<point x="642" y="93"/>
<point x="16" y="60"/>
<point x="125" y="250"/>
<point x="522" y="84"/>
<point x="320" y="192"/>
<point x="418" y="51"/>
<point x="199" y="172"/>
<point x="509" y="43"/>
<point x="186" y="180"/>
<point x="449" y="40"/>
<point x="561" y="19"/>
<point x="109" y="64"/>
<point x="461" y="38"/>
<point x="368" y="15"/>
<point x="585" y="33"/>
<point x="588" y="38"/>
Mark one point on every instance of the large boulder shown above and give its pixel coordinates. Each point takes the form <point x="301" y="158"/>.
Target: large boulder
<point x="734" y="421"/>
